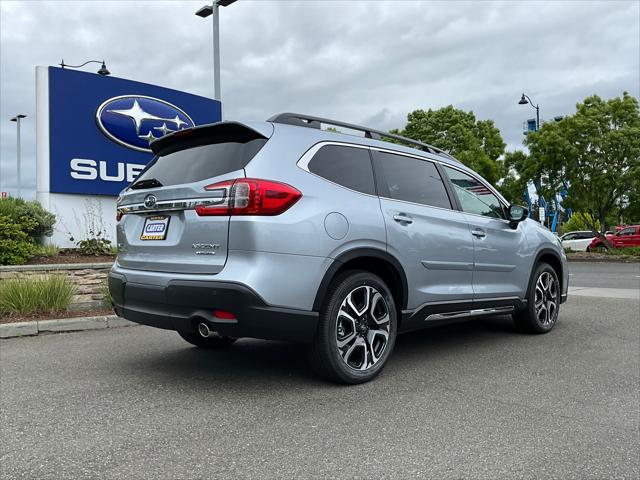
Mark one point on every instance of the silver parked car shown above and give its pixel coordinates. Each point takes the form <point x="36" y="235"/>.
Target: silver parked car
<point x="282" y="230"/>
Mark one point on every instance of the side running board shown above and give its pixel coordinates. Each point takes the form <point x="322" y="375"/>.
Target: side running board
<point x="470" y="313"/>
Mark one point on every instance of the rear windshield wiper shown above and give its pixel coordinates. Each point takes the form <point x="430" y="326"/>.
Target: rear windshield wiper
<point x="147" y="183"/>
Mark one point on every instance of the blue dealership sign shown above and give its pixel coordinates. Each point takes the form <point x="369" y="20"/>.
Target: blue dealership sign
<point x="100" y="128"/>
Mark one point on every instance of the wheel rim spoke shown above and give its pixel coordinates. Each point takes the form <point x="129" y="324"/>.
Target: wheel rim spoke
<point x="377" y="340"/>
<point x="367" y="297"/>
<point x="348" y="326"/>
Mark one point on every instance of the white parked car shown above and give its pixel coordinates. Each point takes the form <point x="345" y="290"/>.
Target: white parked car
<point x="577" y="241"/>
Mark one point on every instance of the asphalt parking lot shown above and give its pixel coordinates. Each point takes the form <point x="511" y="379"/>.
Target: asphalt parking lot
<point x="474" y="400"/>
<point x="604" y="275"/>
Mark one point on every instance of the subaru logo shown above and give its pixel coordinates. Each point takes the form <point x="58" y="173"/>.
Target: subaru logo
<point x="150" y="201"/>
<point x="135" y="120"/>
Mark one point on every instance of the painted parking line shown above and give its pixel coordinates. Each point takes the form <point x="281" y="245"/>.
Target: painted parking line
<point x="625" y="293"/>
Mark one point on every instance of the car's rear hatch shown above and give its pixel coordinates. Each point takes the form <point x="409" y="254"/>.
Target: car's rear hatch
<point x="159" y="229"/>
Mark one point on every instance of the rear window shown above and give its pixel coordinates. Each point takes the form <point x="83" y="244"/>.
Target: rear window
<point x="203" y="156"/>
<point x="346" y="166"/>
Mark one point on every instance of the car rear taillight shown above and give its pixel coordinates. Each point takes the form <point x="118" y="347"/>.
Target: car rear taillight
<point x="249" y="196"/>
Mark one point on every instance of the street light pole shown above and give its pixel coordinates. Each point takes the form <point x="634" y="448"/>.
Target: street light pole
<point x="217" y="95"/>
<point x="523" y="101"/>
<point x="213" y="10"/>
<point x="17" y="119"/>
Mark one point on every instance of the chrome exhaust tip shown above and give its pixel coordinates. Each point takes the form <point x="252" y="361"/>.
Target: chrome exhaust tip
<point x="203" y="330"/>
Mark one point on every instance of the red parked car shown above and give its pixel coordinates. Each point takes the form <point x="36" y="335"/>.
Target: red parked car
<point x="628" y="236"/>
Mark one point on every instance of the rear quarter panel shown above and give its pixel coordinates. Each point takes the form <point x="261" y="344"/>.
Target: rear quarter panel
<point x="354" y="219"/>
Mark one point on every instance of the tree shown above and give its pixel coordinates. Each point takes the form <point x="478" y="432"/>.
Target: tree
<point x="580" y="222"/>
<point x="597" y="151"/>
<point x="513" y="182"/>
<point x="630" y="207"/>
<point x="476" y="143"/>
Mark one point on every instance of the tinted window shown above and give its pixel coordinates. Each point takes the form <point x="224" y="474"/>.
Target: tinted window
<point x="346" y="166"/>
<point x="409" y="179"/>
<point x="570" y="236"/>
<point x="199" y="163"/>
<point x="585" y="235"/>
<point x="474" y="196"/>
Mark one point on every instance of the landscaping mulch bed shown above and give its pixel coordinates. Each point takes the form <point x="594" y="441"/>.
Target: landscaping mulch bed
<point x="70" y="257"/>
<point x="600" y="257"/>
<point x="54" y="316"/>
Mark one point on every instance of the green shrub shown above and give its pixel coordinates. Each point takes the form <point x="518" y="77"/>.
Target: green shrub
<point x="35" y="220"/>
<point x="16" y="247"/>
<point x="42" y="294"/>
<point x="95" y="244"/>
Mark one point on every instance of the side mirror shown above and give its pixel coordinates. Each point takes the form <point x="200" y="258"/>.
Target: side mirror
<point x="516" y="214"/>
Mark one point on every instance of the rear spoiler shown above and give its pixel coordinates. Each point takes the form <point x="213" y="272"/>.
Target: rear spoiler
<point x="204" y="135"/>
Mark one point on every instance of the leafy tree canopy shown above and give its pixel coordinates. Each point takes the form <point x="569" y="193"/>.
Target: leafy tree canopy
<point x="476" y="143"/>
<point x="597" y="151"/>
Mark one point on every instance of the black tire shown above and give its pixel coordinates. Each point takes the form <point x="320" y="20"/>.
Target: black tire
<point x="216" y="341"/>
<point x="365" y="335"/>
<point x="543" y="303"/>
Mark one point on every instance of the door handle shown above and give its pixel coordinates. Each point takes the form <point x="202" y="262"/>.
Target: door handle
<point x="400" y="218"/>
<point x="478" y="233"/>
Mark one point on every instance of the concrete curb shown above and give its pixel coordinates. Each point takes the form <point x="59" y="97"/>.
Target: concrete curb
<point x="37" y="327"/>
<point x="54" y="267"/>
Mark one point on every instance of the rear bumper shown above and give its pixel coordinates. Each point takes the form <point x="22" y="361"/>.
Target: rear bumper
<point x="182" y="304"/>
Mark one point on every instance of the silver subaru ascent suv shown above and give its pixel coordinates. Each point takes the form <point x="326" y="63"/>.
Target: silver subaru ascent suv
<point x="283" y="230"/>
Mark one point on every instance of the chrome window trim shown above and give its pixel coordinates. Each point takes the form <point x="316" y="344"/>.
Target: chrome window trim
<point x="304" y="160"/>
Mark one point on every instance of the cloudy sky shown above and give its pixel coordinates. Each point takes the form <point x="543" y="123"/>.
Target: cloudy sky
<point x="363" y="62"/>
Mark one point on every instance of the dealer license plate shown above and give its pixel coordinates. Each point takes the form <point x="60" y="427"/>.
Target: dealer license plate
<point x="155" y="227"/>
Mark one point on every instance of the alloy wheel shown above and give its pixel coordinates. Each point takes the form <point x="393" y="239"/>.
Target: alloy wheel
<point x="362" y="328"/>
<point x="546" y="299"/>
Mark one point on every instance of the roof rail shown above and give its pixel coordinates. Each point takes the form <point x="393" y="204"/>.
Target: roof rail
<point x="310" y="121"/>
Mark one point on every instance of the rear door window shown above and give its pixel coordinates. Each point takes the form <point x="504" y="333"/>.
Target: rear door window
<point x="346" y="166"/>
<point x="409" y="179"/>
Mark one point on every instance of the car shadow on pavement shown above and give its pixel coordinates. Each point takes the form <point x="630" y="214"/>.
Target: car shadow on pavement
<point x="260" y="362"/>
